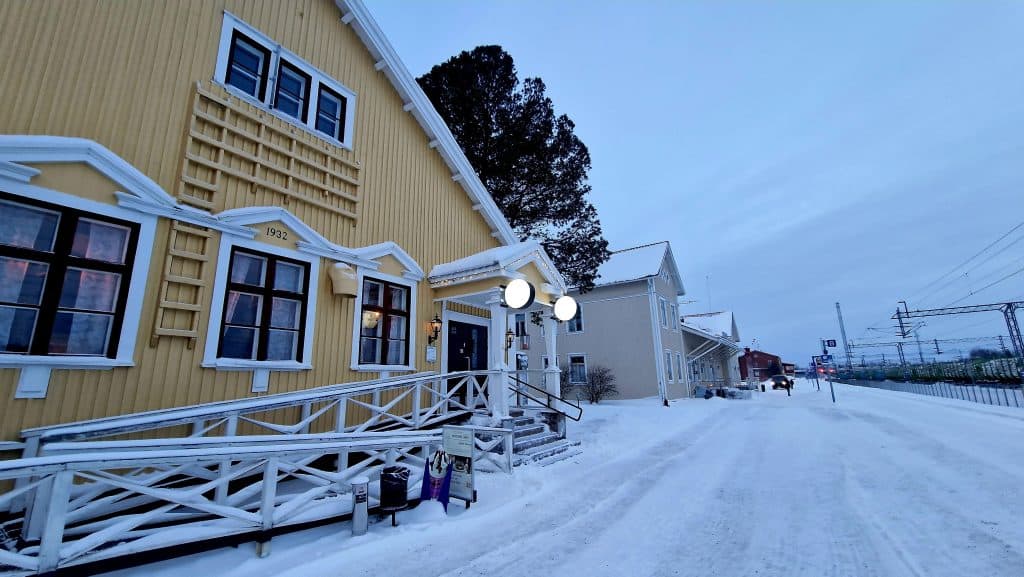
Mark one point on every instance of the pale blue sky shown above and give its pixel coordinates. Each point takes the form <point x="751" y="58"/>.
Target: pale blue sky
<point x="799" y="153"/>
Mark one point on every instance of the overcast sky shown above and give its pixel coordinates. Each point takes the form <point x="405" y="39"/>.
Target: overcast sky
<point x="795" y="154"/>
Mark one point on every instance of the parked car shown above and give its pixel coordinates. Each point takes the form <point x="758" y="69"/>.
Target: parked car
<point x="781" y="382"/>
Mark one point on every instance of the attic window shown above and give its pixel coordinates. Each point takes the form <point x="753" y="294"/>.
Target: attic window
<point x="298" y="93"/>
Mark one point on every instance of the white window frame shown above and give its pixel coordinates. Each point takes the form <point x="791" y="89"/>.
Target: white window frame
<point x="220" y="283"/>
<point x="679" y="366"/>
<point x="568" y="364"/>
<point x="675" y="317"/>
<point x="124" y="357"/>
<point x="663" y="311"/>
<point x="277" y="53"/>
<point x="413" y="287"/>
<point x="568" y="323"/>
<point x="669" y="373"/>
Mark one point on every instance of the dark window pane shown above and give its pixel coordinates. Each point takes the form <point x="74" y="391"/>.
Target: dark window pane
<point x="327" y="126"/>
<point x="282" y="345"/>
<point x="371" y="325"/>
<point x="397" y="327"/>
<point x="292" y="91"/>
<point x="238" y="343"/>
<point x="243" y="309"/>
<point x="248" y="269"/>
<point x="285" y="313"/>
<point x="289" y="277"/>
<point x="16" y="327"/>
<point x="372" y="293"/>
<point x="28" y="226"/>
<point x="330" y="117"/>
<point x="369" y="351"/>
<point x="21" y="281"/>
<point x="80" y="333"/>
<point x="396" y="352"/>
<point x="90" y="290"/>
<point x="246" y="67"/>
<point x="398" y="298"/>
<point x="100" y="241"/>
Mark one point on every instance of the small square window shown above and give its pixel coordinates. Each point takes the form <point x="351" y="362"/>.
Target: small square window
<point x="248" y="63"/>
<point x="330" y="113"/>
<point x="292" y="93"/>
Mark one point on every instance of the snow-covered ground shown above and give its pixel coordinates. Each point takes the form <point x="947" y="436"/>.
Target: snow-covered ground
<point x="881" y="484"/>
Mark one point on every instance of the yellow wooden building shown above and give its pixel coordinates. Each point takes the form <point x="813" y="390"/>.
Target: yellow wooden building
<point x="204" y="200"/>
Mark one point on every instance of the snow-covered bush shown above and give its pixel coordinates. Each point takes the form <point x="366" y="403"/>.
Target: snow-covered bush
<point x="600" y="385"/>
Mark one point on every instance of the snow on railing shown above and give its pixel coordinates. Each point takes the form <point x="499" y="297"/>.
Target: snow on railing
<point x="433" y="398"/>
<point x="95" y="501"/>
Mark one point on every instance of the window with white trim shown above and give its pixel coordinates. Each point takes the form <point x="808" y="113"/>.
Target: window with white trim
<point x="577" y="369"/>
<point x="384" y="323"/>
<point x="679" y="365"/>
<point x="668" y="366"/>
<point x="64" y="279"/>
<point x="663" y="311"/>
<point x="264" y="315"/>
<point x="675" y="317"/>
<point x="257" y="68"/>
<point x="575" y="324"/>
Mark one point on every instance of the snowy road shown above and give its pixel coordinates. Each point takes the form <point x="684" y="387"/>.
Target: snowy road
<point x="884" y="483"/>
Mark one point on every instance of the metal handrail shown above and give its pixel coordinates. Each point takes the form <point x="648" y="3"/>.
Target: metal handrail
<point x="548" y="404"/>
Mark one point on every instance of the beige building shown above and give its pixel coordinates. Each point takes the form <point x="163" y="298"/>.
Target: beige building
<point x="219" y="199"/>
<point x="712" y="344"/>
<point x="628" y="323"/>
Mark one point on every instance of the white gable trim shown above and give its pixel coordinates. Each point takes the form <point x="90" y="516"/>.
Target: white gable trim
<point x="142" y="193"/>
<point x="506" y="263"/>
<point x="413" y="271"/>
<point x="312" y="242"/>
<point x="356" y="15"/>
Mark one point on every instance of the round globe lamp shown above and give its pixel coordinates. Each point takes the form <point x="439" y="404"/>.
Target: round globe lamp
<point x="565" y="308"/>
<point x="519" y="294"/>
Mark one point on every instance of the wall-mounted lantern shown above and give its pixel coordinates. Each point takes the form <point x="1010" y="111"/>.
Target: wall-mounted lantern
<point x="510" y="337"/>
<point x="435" y="329"/>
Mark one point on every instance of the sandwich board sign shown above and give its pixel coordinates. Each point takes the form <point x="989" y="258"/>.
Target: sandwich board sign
<point x="458" y="443"/>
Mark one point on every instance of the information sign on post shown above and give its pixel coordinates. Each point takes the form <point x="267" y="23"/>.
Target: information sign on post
<point x="458" y="443"/>
<point x="831" y="343"/>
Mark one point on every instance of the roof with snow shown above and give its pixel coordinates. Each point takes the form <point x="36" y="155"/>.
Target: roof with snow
<point x="499" y="261"/>
<point x="719" y="324"/>
<point x="638" y="263"/>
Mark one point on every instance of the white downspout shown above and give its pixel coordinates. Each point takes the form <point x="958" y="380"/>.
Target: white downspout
<point x="656" y="335"/>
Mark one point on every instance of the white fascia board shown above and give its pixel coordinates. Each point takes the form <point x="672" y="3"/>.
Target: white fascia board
<point x="50" y="149"/>
<point x="675" y="269"/>
<point x="182" y="213"/>
<point x="17" y="172"/>
<point x="413" y="270"/>
<point x="423" y="110"/>
<point x="312" y="242"/>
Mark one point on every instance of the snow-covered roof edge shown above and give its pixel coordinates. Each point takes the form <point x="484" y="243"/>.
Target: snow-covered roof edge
<point x="713" y="323"/>
<point x="494" y="262"/>
<point x="355" y="14"/>
<point x="666" y="254"/>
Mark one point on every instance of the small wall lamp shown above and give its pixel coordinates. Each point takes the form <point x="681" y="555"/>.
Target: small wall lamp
<point x="510" y="338"/>
<point x="435" y="329"/>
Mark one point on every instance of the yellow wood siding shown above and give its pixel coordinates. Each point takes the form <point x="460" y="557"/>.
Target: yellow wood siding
<point x="124" y="74"/>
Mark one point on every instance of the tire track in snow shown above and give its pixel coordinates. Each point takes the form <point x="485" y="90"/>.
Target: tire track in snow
<point x="919" y="516"/>
<point x="549" y="523"/>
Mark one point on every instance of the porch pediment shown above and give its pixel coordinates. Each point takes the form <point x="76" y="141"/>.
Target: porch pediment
<point x="483" y="273"/>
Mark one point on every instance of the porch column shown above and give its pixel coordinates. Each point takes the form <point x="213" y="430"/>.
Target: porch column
<point x="552" y="374"/>
<point x="497" y="384"/>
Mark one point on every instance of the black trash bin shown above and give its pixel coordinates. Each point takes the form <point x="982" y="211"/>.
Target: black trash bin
<point x="394" y="490"/>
